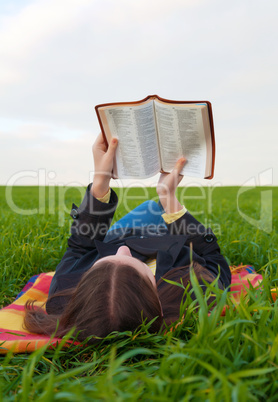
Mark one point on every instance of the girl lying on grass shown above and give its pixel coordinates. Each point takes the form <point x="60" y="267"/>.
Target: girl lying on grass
<point x="104" y="282"/>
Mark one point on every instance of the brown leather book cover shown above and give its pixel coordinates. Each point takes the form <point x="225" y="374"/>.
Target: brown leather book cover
<point x="167" y="101"/>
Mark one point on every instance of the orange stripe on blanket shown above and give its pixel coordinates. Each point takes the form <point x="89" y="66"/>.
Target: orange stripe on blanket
<point x="32" y="294"/>
<point x="27" y="345"/>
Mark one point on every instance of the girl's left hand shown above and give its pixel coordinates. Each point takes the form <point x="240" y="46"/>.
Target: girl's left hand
<point x="103" y="161"/>
<point x="167" y="185"/>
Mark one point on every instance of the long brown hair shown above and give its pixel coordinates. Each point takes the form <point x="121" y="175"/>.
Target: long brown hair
<point x="171" y="295"/>
<point x="119" y="299"/>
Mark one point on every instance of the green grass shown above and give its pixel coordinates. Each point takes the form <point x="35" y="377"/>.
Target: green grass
<point x="208" y="357"/>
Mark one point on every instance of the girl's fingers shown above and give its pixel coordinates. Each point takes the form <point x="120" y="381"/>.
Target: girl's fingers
<point x="112" y="148"/>
<point x="99" y="140"/>
<point x="179" y="165"/>
<point x="99" y="144"/>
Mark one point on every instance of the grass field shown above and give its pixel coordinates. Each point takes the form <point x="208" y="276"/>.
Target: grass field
<point x="208" y="357"/>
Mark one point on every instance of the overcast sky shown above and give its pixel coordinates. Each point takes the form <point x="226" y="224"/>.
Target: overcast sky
<point x="59" y="58"/>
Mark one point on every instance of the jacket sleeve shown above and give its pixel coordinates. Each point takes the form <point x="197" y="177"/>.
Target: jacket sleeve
<point x="204" y="244"/>
<point x="91" y="221"/>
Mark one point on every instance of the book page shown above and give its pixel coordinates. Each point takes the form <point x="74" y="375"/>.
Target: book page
<point x="181" y="134"/>
<point x="137" y="154"/>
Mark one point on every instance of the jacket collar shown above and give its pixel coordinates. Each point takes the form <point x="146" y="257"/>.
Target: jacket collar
<point x="164" y="248"/>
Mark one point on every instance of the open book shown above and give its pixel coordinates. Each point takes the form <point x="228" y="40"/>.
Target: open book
<point x="154" y="133"/>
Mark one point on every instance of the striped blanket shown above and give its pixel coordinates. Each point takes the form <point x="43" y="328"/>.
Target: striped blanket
<point x="14" y="337"/>
<point x="12" y="334"/>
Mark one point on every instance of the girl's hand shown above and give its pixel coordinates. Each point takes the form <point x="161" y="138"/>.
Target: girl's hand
<point x="103" y="160"/>
<point x="167" y="185"/>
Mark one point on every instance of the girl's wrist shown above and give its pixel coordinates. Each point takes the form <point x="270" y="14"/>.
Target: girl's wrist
<point x="100" y="188"/>
<point x="170" y="204"/>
